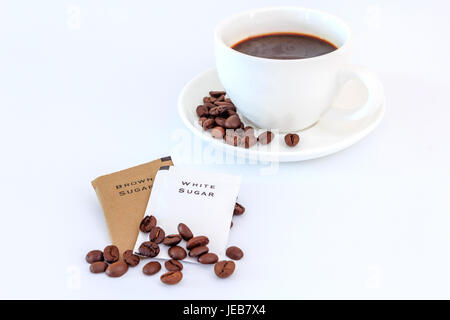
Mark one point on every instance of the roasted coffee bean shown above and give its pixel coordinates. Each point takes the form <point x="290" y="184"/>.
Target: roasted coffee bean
<point x="172" y="277"/>
<point x="185" y="232"/>
<point x="147" y="224"/>
<point x="157" y="235"/>
<point x="249" y="140"/>
<point x="207" y="100"/>
<point x="233" y="122"/>
<point x="201" y="119"/>
<point x="151" y="268"/>
<point x="130" y="258"/>
<point x="208" y="258"/>
<point x="172" y="240"/>
<point x="117" y="269"/>
<point x="249" y="130"/>
<point x="228" y="105"/>
<point x="177" y="253"/>
<point x="196" y="242"/>
<point x="94" y="256"/>
<point x="173" y="265"/>
<point x="228" y="100"/>
<point x="208" y="124"/>
<point x="232" y="139"/>
<point x="234" y="253"/>
<point x="219" y="110"/>
<point x="149" y="249"/>
<point x="224" y="268"/>
<point x="220" y="121"/>
<point x="221" y="98"/>
<point x="265" y="137"/>
<point x="111" y="254"/>
<point x="202" y="110"/>
<point x="218" y="132"/>
<point x="198" y="251"/>
<point x="238" y="209"/>
<point x="209" y="106"/>
<point x="217" y="94"/>
<point x="98" y="267"/>
<point x="291" y="139"/>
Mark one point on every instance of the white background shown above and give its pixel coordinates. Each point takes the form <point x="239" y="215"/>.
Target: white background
<point x="90" y="87"/>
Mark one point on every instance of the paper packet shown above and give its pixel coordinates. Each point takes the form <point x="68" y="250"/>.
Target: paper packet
<point x="202" y="200"/>
<point x="123" y="196"/>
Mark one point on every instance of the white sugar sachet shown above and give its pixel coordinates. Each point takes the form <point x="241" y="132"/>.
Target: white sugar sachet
<point x="202" y="200"/>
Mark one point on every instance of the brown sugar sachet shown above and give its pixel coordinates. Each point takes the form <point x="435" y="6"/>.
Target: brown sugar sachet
<point x="123" y="196"/>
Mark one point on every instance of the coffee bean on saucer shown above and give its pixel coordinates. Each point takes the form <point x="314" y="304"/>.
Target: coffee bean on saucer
<point x="234" y="253"/>
<point x="172" y="277"/>
<point x="229" y="105"/>
<point x="98" y="267"/>
<point x="265" y="137"/>
<point x="209" y="106"/>
<point x="233" y="122"/>
<point x="198" y="251"/>
<point x="218" y="110"/>
<point x="249" y="130"/>
<point x="94" y="256"/>
<point x="201" y="120"/>
<point x="232" y="138"/>
<point x="249" y="141"/>
<point x="172" y="240"/>
<point x="207" y="100"/>
<point x="151" y="268"/>
<point x="111" y="254"/>
<point x="117" y="269"/>
<point x="202" y="110"/>
<point x="220" y="121"/>
<point x="177" y="253"/>
<point x="238" y="209"/>
<point x="149" y="249"/>
<point x="217" y="94"/>
<point x="130" y="258"/>
<point x="208" y="258"/>
<point x="221" y="98"/>
<point x="185" y="232"/>
<point x="173" y="265"/>
<point x="291" y="139"/>
<point x="218" y="132"/>
<point x="147" y="224"/>
<point x="196" y="242"/>
<point x="228" y="100"/>
<point x="157" y="235"/>
<point x="231" y="112"/>
<point x="224" y="269"/>
<point x="208" y="124"/>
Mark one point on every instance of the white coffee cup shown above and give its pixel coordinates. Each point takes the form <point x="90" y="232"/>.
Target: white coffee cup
<point x="290" y="95"/>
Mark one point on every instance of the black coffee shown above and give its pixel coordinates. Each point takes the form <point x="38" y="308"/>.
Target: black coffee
<point x="284" y="46"/>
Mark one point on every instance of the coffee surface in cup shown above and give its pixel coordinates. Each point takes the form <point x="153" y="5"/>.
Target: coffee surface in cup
<point x="284" y="46"/>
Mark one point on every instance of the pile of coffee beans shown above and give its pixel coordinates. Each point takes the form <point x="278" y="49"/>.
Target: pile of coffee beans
<point x="219" y="115"/>
<point x="109" y="261"/>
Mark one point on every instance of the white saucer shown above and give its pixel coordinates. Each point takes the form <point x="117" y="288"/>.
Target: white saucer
<point x="324" y="138"/>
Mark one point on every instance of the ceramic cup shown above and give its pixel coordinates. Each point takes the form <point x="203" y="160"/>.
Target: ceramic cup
<point x="290" y="95"/>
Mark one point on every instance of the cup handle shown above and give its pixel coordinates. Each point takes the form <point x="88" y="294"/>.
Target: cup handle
<point x="375" y="94"/>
